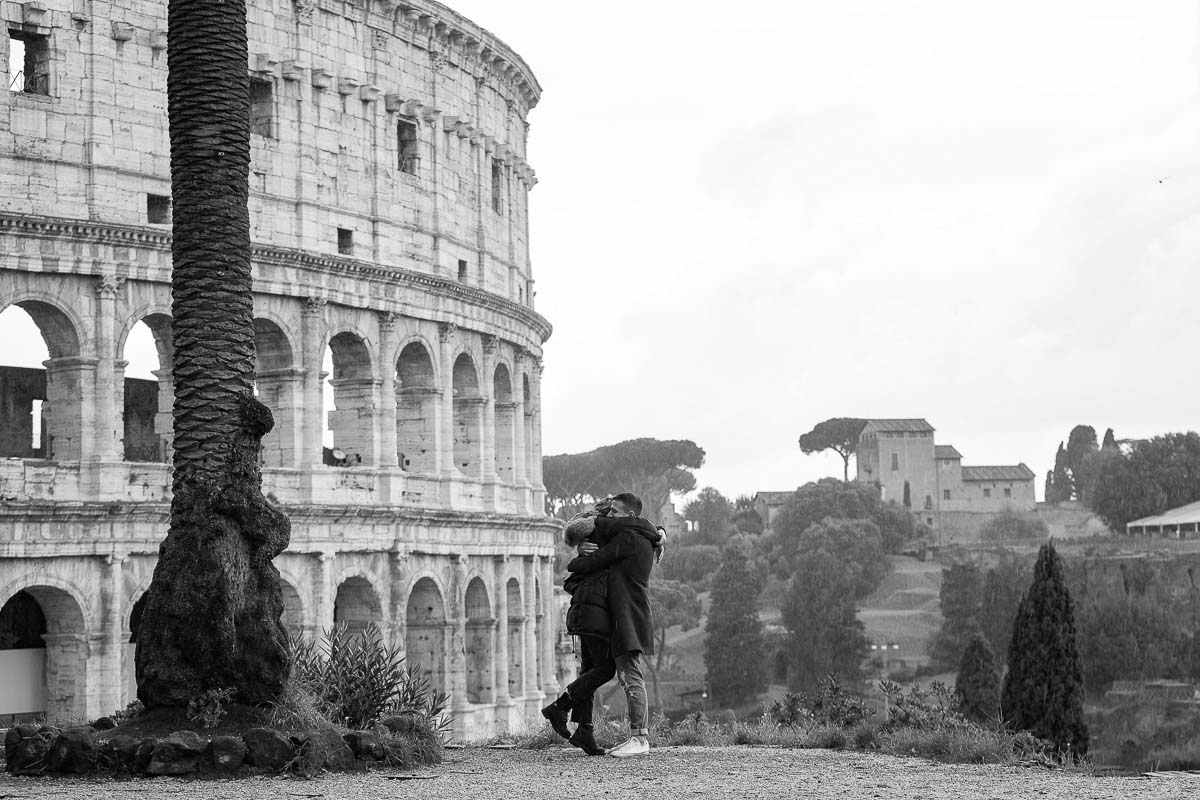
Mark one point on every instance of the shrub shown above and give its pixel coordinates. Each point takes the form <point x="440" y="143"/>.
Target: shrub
<point x="208" y="708"/>
<point x="921" y="709"/>
<point x="355" y="679"/>
<point x="833" y="705"/>
<point x="977" y="688"/>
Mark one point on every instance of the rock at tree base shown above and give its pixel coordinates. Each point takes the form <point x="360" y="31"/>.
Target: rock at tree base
<point x="29" y="753"/>
<point x="366" y="745"/>
<point x="13" y="737"/>
<point x="119" y="752"/>
<point x="267" y="749"/>
<point x="104" y="724"/>
<point x="178" y="754"/>
<point x="324" y="749"/>
<point x="226" y="753"/>
<point x="74" y="750"/>
<point x="141" y="758"/>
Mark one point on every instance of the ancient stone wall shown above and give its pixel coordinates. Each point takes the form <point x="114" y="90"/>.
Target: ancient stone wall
<point x="389" y="219"/>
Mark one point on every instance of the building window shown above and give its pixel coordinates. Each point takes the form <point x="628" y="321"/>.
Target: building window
<point x="1007" y="491"/>
<point x="497" y="187"/>
<point x="158" y="209"/>
<point x="928" y="502"/>
<point x="262" y="107"/>
<point x="462" y="271"/>
<point x="987" y="492"/>
<point x="345" y="242"/>
<point x="408" y="146"/>
<point x="28" y="63"/>
<point x="895" y="462"/>
<point x="945" y="494"/>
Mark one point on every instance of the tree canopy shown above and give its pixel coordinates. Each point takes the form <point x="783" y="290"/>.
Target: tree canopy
<point x="653" y="469"/>
<point x="829" y="497"/>
<point x="711" y="512"/>
<point x="1157" y="474"/>
<point x="839" y="434"/>
<point x="734" y="656"/>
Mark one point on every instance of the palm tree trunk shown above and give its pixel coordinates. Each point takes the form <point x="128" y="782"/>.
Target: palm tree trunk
<point x="212" y="614"/>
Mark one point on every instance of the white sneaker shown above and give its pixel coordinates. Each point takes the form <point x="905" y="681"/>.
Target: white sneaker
<point x="633" y="746"/>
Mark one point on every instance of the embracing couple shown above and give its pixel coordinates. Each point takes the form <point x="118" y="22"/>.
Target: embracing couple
<point x="609" y="584"/>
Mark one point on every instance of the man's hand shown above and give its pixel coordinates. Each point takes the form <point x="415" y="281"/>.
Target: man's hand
<point x="586" y="548"/>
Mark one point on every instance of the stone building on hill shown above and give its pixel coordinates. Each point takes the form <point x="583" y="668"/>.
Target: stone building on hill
<point x="389" y="214"/>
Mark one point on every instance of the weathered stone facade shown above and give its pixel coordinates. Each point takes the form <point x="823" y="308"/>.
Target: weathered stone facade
<point x="389" y="218"/>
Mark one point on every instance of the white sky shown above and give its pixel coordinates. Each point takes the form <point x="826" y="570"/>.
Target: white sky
<point x="755" y="216"/>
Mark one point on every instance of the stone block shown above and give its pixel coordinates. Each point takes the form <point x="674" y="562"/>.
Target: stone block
<point x="177" y="754"/>
<point x="226" y="753"/>
<point x="74" y="750"/>
<point x="366" y="745"/>
<point x="324" y="749"/>
<point x="268" y="749"/>
<point x="119" y="753"/>
<point x="30" y="752"/>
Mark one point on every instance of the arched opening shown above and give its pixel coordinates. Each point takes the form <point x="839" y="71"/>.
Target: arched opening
<point x="42" y="655"/>
<point x="293" y="609"/>
<point x="516" y="639"/>
<point x="350" y="392"/>
<point x="147" y="390"/>
<point x="416" y="410"/>
<point x="468" y="417"/>
<point x="480" y="643"/>
<point x="425" y="637"/>
<point x="505" y="411"/>
<point x="277" y="385"/>
<point x="41" y="383"/>
<point x="357" y="605"/>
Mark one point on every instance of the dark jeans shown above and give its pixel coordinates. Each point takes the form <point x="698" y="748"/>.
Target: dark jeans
<point x="596" y="668"/>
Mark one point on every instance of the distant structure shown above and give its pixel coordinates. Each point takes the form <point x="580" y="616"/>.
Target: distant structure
<point x="1175" y="523"/>
<point x="900" y="458"/>
<point x="389" y="215"/>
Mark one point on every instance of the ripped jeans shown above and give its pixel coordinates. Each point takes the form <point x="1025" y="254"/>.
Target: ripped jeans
<point x="629" y="673"/>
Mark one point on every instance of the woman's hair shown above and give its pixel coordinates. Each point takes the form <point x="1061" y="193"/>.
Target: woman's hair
<point x="578" y="529"/>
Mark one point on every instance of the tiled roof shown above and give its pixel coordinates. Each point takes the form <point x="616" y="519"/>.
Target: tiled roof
<point x="1007" y="473"/>
<point x="1184" y="515"/>
<point x="898" y="425"/>
<point x="945" y="451"/>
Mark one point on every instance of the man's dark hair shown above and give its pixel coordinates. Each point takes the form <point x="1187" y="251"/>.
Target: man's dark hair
<point x="630" y="502"/>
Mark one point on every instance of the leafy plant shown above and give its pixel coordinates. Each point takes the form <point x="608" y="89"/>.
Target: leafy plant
<point x="789" y="712"/>
<point x="833" y="705"/>
<point x="207" y="709"/>
<point x="934" y="708"/>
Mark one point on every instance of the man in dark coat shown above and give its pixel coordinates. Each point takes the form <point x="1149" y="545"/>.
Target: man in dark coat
<point x="629" y="558"/>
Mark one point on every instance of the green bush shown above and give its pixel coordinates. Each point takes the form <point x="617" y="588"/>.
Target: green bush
<point x="208" y="708"/>
<point x="934" y="708"/>
<point x="356" y="679"/>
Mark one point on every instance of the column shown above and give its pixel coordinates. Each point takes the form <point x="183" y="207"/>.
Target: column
<point x="281" y="390"/>
<point x="500" y="662"/>
<point x="164" y="420"/>
<point x="397" y="561"/>
<point x="520" y="473"/>
<point x="531" y="649"/>
<point x="549" y="629"/>
<point x="325" y="591"/>
<point x="109" y="430"/>
<point x="487" y="386"/>
<point x="312" y="325"/>
<point x="387" y="389"/>
<point x="112" y="682"/>
<point x="71" y="395"/>
<point x="535" y="446"/>
<point x="446" y="333"/>
<point x="457" y="666"/>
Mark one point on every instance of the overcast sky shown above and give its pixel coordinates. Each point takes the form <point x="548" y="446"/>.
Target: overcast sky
<point x="753" y="216"/>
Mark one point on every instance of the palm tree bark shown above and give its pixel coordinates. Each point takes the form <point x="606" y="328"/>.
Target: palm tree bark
<point x="212" y="615"/>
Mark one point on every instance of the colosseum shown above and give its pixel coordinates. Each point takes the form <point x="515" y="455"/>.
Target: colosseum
<point x="397" y="343"/>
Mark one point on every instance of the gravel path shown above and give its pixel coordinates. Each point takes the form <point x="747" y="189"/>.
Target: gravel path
<point x="668" y="772"/>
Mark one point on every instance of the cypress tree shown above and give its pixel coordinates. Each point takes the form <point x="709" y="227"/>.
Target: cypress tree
<point x="1043" y="690"/>
<point x="733" y="648"/>
<point x="978" y="684"/>
<point x="1062" y="484"/>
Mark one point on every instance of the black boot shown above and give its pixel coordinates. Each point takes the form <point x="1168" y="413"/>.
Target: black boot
<point x="556" y="714"/>
<point x="586" y="741"/>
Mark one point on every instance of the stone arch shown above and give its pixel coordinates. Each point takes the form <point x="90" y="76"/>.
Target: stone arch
<point x="351" y="420"/>
<point x="278" y="384"/>
<point x="468" y="416"/>
<point x="515" y="630"/>
<point x="56" y="394"/>
<point x="505" y="411"/>
<point x="51" y="678"/>
<point x="417" y="410"/>
<point x="146" y="404"/>
<point x="480" y="643"/>
<point x="426" y="631"/>
<point x="357" y="604"/>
